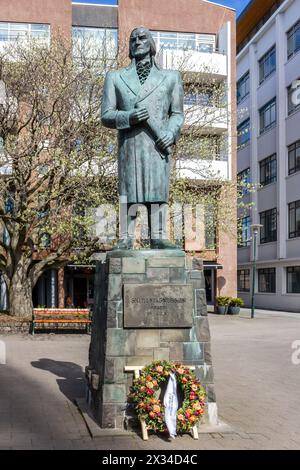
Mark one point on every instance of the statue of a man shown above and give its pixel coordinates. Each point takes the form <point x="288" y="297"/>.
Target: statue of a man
<point x="145" y="104"/>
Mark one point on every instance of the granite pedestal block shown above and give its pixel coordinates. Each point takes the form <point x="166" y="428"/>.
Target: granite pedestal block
<point x="149" y="305"/>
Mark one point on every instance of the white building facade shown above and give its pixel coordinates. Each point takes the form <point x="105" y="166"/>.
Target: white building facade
<point x="268" y="68"/>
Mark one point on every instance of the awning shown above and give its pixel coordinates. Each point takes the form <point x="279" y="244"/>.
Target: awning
<point x="212" y="265"/>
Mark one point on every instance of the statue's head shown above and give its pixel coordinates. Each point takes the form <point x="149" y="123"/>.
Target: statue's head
<point x="141" y="43"/>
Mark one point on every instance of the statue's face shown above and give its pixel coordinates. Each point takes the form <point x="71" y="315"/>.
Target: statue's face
<point x="139" y="44"/>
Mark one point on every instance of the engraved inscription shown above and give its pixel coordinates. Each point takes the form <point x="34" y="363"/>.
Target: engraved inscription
<point x="152" y="306"/>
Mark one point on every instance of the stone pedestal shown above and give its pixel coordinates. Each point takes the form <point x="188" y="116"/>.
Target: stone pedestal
<point x="149" y="305"/>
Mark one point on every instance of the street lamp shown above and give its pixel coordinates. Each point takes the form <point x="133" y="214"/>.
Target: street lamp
<point x="255" y="229"/>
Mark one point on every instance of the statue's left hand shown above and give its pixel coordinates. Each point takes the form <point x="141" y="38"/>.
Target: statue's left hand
<point x="165" y="141"/>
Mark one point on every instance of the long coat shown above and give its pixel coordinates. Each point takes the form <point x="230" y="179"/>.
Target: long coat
<point x="144" y="171"/>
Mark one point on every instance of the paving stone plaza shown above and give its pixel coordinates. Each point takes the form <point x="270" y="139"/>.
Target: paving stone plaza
<point x="256" y="382"/>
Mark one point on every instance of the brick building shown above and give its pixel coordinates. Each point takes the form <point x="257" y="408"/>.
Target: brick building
<point x="207" y="30"/>
<point x="268" y="64"/>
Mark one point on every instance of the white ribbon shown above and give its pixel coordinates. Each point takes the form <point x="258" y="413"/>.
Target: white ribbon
<point x="171" y="405"/>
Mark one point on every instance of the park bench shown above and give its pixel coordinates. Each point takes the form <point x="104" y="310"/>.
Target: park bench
<point x="60" y="316"/>
<point x="136" y="371"/>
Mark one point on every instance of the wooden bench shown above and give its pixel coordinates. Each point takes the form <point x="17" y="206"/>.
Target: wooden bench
<point x="136" y="370"/>
<point x="44" y="316"/>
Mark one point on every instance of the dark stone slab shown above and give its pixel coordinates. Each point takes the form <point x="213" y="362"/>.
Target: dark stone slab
<point x="134" y="278"/>
<point x="176" y="352"/>
<point x="207" y="353"/>
<point x="134" y="265"/>
<point x="205" y="374"/>
<point x="112" y="316"/>
<point x="174" y="336"/>
<point x="114" y="370"/>
<point x="177" y="275"/>
<point x="120" y="342"/>
<point x="160" y="262"/>
<point x="158" y="275"/>
<point x="200" y="331"/>
<point x="114" y="393"/>
<point x="115" y="287"/>
<point x="161" y="306"/>
<point x="145" y="253"/>
<point x="193" y="352"/>
<point x="210" y="393"/>
<point x="115" y="266"/>
<point x="200" y="302"/>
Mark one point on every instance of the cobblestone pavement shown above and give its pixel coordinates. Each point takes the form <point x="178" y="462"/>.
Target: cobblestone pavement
<point x="256" y="382"/>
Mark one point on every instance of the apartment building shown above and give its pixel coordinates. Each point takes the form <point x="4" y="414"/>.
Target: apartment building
<point x="268" y="67"/>
<point x="204" y="29"/>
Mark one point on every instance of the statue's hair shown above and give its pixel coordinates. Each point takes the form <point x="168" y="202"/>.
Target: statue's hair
<point x="149" y="35"/>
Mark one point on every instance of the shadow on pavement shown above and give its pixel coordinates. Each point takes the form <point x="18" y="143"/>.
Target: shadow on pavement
<point x="71" y="381"/>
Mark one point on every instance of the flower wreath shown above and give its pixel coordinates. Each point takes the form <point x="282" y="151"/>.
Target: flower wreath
<point x="150" y="409"/>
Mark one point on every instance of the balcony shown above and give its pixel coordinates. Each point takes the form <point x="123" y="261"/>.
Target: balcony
<point x="213" y="120"/>
<point x="214" y="63"/>
<point x="198" y="169"/>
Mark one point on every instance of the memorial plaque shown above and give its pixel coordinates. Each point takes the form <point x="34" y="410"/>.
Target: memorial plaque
<point x="158" y="306"/>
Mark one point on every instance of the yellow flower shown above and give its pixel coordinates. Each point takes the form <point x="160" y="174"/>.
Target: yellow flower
<point x="156" y="408"/>
<point x="194" y="387"/>
<point x="149" y="385"/>
<point x="196" y="406"/>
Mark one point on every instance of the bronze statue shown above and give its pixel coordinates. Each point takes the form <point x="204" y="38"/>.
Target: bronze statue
<point x="145" y="104"/>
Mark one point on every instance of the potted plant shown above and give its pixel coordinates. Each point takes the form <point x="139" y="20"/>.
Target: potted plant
<point x="235" y="305"/>
<point x="222" y="304"/>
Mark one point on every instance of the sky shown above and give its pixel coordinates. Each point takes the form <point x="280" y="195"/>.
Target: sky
<point x="239" y="5"/>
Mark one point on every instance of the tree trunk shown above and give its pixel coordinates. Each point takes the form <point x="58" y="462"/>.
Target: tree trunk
<point x="20" y="297"/>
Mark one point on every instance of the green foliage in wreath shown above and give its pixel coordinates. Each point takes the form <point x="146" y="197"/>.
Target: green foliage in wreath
<point x="145" y="390"/>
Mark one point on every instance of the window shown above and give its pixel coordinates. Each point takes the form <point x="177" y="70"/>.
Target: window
<point x="243" y="87"/>
<point x="293" y="280"/>
<point x="244" y="179"/>
<point x="245" y="232"/>
<point x="268" y="170"/>
<point x="293" y="102"/>
<point x="210" y="228"/>
<point x="267" y="280"/>
<point x="243" y="133"/>
<point x="293" y="40"/>
<point x="89" y="41"/>
<point x="243" y="280"/>
<point x="267" y="64"/>
<point x="22" y="31"/>
<point x="267" y="116"/>
<point x="268" y="220"/>
<point x="185" y="41"/>
<point x="294" y="157"/>
<point x="294" y="219"/>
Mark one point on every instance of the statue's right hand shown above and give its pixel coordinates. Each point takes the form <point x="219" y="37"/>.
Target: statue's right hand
<point x="138" y="115"/>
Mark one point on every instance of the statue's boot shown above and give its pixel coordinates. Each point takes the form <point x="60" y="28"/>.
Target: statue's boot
<point x="159" y="244"/>
<point x="124" y="244"/>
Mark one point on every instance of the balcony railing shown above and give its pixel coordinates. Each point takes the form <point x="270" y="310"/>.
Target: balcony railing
<point x="199" y="169"/>
<point x="211" y="119"/>
<point x="198" y="61"/>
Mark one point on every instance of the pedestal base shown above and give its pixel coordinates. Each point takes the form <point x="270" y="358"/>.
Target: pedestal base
<point x="149" y="305"/>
